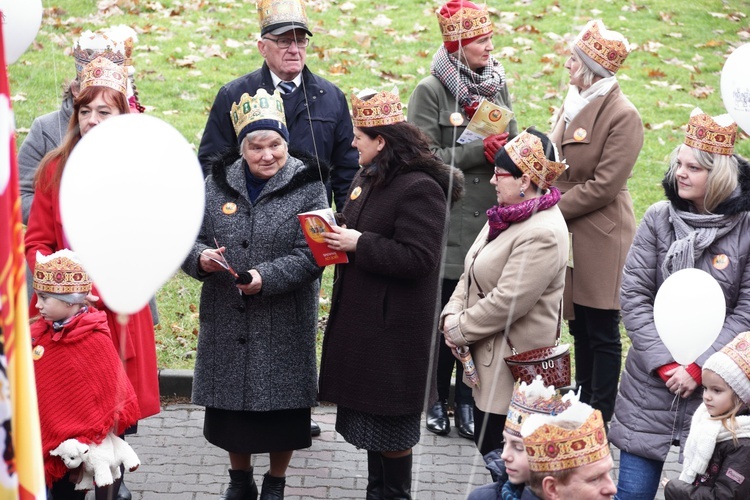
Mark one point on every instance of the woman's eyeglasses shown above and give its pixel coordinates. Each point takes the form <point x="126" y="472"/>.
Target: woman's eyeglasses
<point x="500" y="173"/>
<point x="285" y="43"/>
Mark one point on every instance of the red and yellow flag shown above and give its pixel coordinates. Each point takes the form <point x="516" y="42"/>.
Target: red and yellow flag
<point x="21" y="467"/>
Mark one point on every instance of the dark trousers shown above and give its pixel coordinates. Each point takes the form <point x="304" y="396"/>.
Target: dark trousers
<point x="446" y="360"/>
<point x="488" y="431"/>
<point x="598" y="353"/>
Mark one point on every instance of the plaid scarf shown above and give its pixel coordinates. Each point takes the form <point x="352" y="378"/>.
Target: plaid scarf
<point x="466" y="85"/>
<point x="500" y="218"/>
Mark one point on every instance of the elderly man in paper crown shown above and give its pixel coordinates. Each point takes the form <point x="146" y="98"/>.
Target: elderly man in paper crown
<point x="568" y="455"/>
<point x="316" y="111"/>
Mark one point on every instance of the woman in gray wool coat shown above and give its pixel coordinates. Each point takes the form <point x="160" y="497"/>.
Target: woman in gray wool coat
<point x="705" y="224"/>
<point x="255" y="370"/>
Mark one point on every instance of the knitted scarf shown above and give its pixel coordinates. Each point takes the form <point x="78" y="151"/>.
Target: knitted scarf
<point x="705" y="432"/>
<point x="464" y="84"/>
<point x="511" y="491"/>
<point x="694" y="233"/>
<point x="575" y="101"/>
<point x="500" y="218"/>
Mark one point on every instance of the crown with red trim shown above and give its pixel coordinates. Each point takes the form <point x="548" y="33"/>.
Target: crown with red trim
<point x="101" y="72"/>
<point x="712" y="135"/>
<point x="91" y="45"/>
<point x="527" y="152"/>
<point x="607" y="48"/>
<point x="373" y="109"/>
<point x="529" y="399"/>
<point x="60" y="273"/>
<point x="461" y="20"/>
<point x="571" y="439"/>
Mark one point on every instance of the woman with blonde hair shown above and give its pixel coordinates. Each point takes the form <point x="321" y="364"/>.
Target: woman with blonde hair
<point x="704" y="224"/>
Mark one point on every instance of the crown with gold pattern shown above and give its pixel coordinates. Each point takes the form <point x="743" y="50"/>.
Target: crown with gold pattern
<point x="60" y="273"/>
<point x="374" y="109"/>
<point x="551" y="447"/>
<point x="607" y="48"/>
<point x="464" y="23"/>
<point x="712" y="135"/>
<point x="101" y="72"/>
<point x="527" y="152"/>
<point x="263" y="111"/>
<point x="91" y="45"/>
<point x="532" y="398"/>
<point x="279" y="16"/>
<point x="732" y="363"/>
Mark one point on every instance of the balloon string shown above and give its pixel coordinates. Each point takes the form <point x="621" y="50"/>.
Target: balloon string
<point x="675" y="406"/>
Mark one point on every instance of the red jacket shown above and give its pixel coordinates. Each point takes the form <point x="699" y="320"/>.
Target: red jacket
<point x="45" y="233"/>
<point x="82" y="388"/>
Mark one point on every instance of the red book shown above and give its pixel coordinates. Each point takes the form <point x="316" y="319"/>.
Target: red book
<point x="314" y="224"/>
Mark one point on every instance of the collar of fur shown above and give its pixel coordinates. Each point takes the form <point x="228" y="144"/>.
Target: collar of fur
<point x="314" y="170"/>
<point x="738" y="202"/>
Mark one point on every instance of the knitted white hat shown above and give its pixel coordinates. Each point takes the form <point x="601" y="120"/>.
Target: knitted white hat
<point x="732" y="364"/>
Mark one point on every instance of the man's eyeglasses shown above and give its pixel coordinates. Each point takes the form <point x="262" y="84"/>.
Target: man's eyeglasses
<point x="500" y="173"/>
<point x="285" y="43"/>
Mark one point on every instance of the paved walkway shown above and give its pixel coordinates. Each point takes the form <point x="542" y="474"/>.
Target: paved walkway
<point x="178" y="463"/>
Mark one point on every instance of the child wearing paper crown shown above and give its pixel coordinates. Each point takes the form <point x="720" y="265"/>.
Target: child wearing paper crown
<point x="82" y="388"/>
<point x="717" y="451"/>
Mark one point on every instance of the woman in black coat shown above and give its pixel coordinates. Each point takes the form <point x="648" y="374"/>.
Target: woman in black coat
<point x="380" y="334"/>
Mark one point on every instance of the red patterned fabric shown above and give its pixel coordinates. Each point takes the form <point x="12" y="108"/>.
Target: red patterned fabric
<point x="45" y="234"/>
<point x="82" y="388"/>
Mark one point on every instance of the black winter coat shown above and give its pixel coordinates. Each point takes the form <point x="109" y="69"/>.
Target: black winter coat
<point x="327" y="133"/>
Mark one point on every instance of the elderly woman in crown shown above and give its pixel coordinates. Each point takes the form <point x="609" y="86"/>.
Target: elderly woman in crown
<point x="255" y="370"/>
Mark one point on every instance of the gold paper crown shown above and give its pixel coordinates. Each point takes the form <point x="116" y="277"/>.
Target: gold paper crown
<point x="609" y="53"/>
<point x="276" y="14"/>
<point x="704" y="133"/>
<point x="527" y="152"/>
<point x="465" y="23"/>
<point x="383" y="108"/>
<point x="60" y="273"/>
<point x="259" y="110"/>
<point x="739" y="350"/>
<point x="101" y="72"/>
<point x="551" y="448"/>
<point x="92" y="45"/>
<point x="523" y="404"/>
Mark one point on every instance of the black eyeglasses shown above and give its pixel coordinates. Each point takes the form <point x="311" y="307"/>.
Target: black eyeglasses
<point x="285" y="43"/>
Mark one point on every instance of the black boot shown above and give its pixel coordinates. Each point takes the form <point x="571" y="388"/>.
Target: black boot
<point x="273" y="487"/>
<point x="241" y="486"/>
<point x="397" y="478"/>
<point x="123" y="493"/>
<point x="465" y="420"/>
<point x="437" y="419"/>
<point x="374" y="476"/>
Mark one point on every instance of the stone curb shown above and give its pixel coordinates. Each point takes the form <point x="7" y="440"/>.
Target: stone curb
<point x="176" y="383"/>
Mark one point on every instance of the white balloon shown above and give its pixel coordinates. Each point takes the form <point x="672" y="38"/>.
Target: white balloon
<point x="735" y="86"/>
<point x="21" y="21"/>
<point x="689" y="311"/>
<point x="131" y="202"/>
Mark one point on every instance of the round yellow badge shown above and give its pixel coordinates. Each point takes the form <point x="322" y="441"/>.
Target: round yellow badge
<point x="38" y="352"/>
<point x="720" y="262"/>
<point x="580" y="134"/>
<point x="355" y="194"/>
<point x="456" y="119"/>
<point x="229" y="208"/>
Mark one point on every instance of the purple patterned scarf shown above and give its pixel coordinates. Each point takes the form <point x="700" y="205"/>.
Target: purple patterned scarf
<point x="501" y="218"/>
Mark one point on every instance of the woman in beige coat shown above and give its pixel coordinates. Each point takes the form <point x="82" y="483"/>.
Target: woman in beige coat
<point x="513" y="278"/>
<point x="599" y="133"/>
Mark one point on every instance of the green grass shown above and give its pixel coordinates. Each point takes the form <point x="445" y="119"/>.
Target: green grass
<point x="188" y="49"/>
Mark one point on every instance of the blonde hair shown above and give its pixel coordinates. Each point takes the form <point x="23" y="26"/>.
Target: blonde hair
<point x="723" y="174"/>
<point x="584" y="72"/>
<point x="728" y="419"/>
